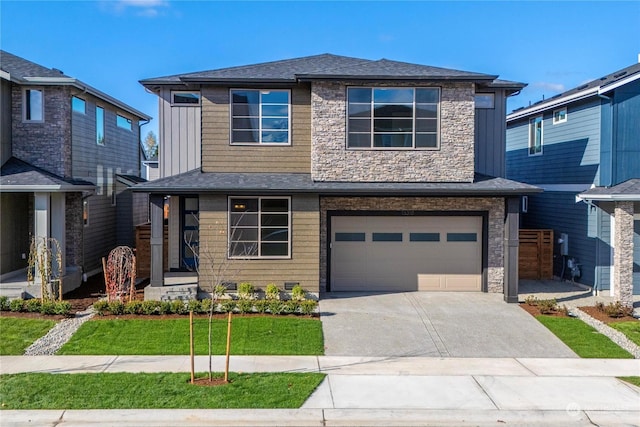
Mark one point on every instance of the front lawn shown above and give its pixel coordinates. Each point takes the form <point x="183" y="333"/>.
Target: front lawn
<point x="584" y="340"/>
<point x="253" y="335"/>
<point x="632" y="380"/>
<point x="157" y="390"/>
<point x="16" y="334"/>
<point x="630" y="329"/>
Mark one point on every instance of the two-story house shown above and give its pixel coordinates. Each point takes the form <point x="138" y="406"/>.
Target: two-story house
<point x="66" y="149"/>
<point x="337" y="173"/>
<point x="583" y="148"/>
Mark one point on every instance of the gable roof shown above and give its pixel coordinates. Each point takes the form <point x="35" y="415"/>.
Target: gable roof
<point x="19" y="176"/>
<point x="25" y="72"/>
<point x="625" y="191"/>
<point x="323" y="67"/>
<point x="592" y="88"/>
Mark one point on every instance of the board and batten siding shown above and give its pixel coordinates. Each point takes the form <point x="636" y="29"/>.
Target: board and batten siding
<point x="490" y="137"/>
<point x="218" y="155"/>
<point x="302" y="267"/>
<point x="180" y="136"/>
<point x="99" y="164"/>
<point x="570" y="153"/>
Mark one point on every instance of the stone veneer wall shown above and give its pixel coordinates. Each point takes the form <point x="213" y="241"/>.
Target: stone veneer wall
<point x="46" y="145"/>
<point x="332" y="161"/>
<point x="623" y="254"/>
<point x="493" y="205"/>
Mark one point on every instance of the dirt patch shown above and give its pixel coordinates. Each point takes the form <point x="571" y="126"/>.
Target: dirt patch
<point x="206" y="382"/>
<point x="534" y="310"/>
<point x="603" y="317"/>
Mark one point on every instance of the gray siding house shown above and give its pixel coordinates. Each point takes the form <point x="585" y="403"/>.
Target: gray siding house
<point x="65" y="147"/>
<point x="583" y="148"/>
<point x="337" y="173"/>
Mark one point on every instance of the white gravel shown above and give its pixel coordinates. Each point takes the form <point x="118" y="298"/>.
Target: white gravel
<point x="58" y="335"/>
<point x="614" y="335"/>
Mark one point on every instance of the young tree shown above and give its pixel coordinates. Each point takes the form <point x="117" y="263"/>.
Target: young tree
<point x="151" y="145"/>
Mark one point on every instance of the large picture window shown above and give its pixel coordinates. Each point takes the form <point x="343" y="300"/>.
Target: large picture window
<point x="260" y="116"/>
<point x="393" y="118"/>
<point x="259" y="227"/>
<point x="535" y="136"/>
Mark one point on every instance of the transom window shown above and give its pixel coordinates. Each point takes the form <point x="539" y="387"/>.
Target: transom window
<point x="535" y="136"/>
<point x="78" y="105"/>
<point x="260" y="116"/>
<point x="485" y="100"/>
<point x="392" y="118"/>
<point x="259" y="227"/>
<point x="560" y="116"/>
<point x="185" y="98"/>
<point x="124" y="122"/>
<point x="33" y="105"/>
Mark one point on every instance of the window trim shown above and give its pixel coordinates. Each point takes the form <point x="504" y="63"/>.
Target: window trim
<point x="84" y="103"/>
<point x="128" y="120"/>
<point x="413" y="118"/>
<point x="563" y="120"/>
<point x="260" y="143"/>
<point x="24" y="104"/>
<point x="531" y="144"/>
<point x="185" y="104"/>
<point x="493" y="100"/>
<point x="259" y="228"/>
<point x="104" y="126"/>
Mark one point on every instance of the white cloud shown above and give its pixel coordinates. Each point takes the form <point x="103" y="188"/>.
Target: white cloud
<point x="146" y="8"/>
<point x="553" y="87"/>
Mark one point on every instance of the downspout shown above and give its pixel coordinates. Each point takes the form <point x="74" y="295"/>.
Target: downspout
<point x="140" y="124"/>
<point x="597" y="283"/>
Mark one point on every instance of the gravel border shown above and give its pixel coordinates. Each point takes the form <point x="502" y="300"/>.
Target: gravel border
<point x="614" y="335"/>
<point x="58" y="335"/>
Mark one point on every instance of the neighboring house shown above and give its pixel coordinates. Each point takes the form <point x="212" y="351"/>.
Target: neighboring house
<point x="149" y="167"/>
<point x="337" y="173"/>
<point x="583" y="138"/>
<point x="67" y="151"/>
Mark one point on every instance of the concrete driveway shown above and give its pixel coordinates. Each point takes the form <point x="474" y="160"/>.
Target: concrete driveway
<point x="432" y="324"/>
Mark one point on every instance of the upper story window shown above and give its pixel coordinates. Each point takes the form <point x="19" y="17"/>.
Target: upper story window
<point x="99" y="125"/>
<point x="392" y="118"/>
<point x="560" y="116"/>
<point x="185" y="98"/>
<point x="535" y="135"/>
<point x="123" y="122"/>
<point x="260" y="116"/>
<point x="78" y="105"/>
<point x="485" y="100"/>
<point x="33" y="105"/>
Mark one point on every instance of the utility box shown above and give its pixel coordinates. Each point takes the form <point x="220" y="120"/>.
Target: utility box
<point x="564" y="244"/>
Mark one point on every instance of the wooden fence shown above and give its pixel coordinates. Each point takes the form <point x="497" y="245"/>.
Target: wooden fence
<point x="143" y="250"/>
<point x="536" y="254"/>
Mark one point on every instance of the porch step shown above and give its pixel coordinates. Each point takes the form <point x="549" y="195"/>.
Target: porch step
<point x="171" y="293"/>
<point x="12" y="292"/>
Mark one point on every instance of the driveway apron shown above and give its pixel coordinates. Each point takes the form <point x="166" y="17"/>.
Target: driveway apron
<point x="443" y="324"/>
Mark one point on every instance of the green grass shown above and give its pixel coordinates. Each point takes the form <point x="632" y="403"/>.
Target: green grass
<point x="269" y="335"/>
<point x="158" y="390"/>
<point x="632" y="380"/>
<point x="631" y="329"/>
<point x="584" y="340"/>
<point x="16" y="334"/>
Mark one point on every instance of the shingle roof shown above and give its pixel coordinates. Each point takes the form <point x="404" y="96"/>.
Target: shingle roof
<point x="292" y="183"/>
<point x="325" y="66"/>
<point x="20" y="68"/>
<point x="17" y="175"/>
<point x="627" y="190"/>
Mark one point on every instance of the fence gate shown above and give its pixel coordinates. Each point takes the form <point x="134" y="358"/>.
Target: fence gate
<point x="536" y="254"/>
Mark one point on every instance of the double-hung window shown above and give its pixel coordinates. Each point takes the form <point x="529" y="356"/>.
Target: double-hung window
<point x="259" y="227"/>
<point x="535" y="135"/>
<point x="33" y="105"/>
<point x="260" y="116"/>
<point x="393" y="118"/>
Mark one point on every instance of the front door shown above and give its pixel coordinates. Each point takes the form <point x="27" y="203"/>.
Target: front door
<point x="190" y="235"/>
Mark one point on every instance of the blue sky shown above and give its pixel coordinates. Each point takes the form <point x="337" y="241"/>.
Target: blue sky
<point x="111" y="44"/>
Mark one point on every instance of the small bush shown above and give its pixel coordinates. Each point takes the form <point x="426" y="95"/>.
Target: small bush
<point x="133" y="307"/>
<point x="48" y="307"/>
<point x="164" y="307"/>
<point x="227" y="306"/>
<point x="272" y="292"/>
<point x="615" y="310"/>
<point x="244" y="306"/>
<point x="276" y="307"/>
<point x="32" y="305"/>
<point x="547" y="306"/>
<point x="308" y="307"/>
<point x="150" y="307"/>
<point x="298" y="294"/>
<point x="116" y="307"/>
<point x="290" y="306"/>
<point x="178" y="307"/>
<point x="531" y="300"/>
<point x="261" y="305"/>
<point x="4" y="303"/>
<point x="219" y="291"/>
<point x="193" y="305"/>
<point x="15" y="305"/>
<point x="206" y="305"/>
<point x="62" y="308"/>
<point x="245" y="291"/>
<point x="100" y="307"/>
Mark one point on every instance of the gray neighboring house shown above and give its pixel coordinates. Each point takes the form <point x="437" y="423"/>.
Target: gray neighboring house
<point x="335" y="173"/>
<point x="583" y="148"/>
<point x="68" y="151"/>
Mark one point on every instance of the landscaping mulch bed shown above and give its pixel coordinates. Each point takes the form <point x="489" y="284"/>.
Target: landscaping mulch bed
<point x="603" y="317"/>
<point x="535" y="311"/>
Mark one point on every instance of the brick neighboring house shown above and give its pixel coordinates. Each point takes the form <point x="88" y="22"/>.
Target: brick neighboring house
<point x="337" y="173"/>
<point x="68" y="151"/>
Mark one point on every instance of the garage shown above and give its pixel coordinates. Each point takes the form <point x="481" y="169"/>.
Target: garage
<point x="406" y="253"/>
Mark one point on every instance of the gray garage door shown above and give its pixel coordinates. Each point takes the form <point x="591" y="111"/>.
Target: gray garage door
<point x="406" y="253"/>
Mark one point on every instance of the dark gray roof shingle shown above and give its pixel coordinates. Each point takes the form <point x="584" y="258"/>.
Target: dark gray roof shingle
<point x="629" y="189"/>
<point x="20" y="68"/>
<point x="196" y="181"/>
<point x="16" y="174"/>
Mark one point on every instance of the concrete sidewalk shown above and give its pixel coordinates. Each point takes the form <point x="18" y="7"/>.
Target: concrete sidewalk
<point x="376" y="391"/>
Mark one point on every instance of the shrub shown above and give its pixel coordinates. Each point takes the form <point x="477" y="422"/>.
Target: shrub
<point x="48" y="307"/>
<point x="227" y="306"/>
<point x="531" y="300"/>
<point x="15" y="305"/>
<point x="4" y="303"/>
<point x="272" y="292"/>
<point x="116" y="307"/>
<point x="193" y="305"/>
<point x="101" y="306"/>
<point x="290" y="306"/>
<point x="615" y="309"/>
<point x="150" y="307"/>
<point x="245" y="291"/>
<point x="206" y="305"/>
<point x="219" y="291"/>
<point x="32" y="305"/>
<point x="133" y="307"/>
<point x="178" y="307"/>
<point x="164" y="307"/>
<point x="261" y="305"/>
<point x="62" y="308"/>
<point x="297" y="293"/>
<point x="547" y="306"/>
<point x="275" y="307"/>
<point x="308" y="307"/>
<point x="244" y="306"/>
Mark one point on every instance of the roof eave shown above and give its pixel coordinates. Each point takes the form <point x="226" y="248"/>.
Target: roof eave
<point x="47" y="188"/>
<point x="377" y="77"/>
<point x="610" y="197"/>
<point x="552" y="104"/>
<point x="227" y="81"/>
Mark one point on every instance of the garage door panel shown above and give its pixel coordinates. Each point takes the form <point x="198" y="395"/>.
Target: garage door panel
<point x="406" y="253"/>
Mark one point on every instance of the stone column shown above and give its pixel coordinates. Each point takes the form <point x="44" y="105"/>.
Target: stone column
<point x="511" y="246"/>
<point x="41" y="231"/>
<point x="623" y="253"/>
<point x="58" y="229"/>
<point x="156" y="204"/>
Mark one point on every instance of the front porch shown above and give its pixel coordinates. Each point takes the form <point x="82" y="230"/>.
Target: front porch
<point x="15" y="284"/>
<point x="182" y="285"/>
